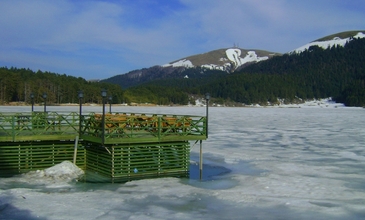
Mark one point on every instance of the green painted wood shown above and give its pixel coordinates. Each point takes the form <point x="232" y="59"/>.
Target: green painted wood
<point x="119" y="128"/>
<point x="137" y="128"/>
<point x="134" y="161"/>
<point x="135" y="145"/>
<point x="23" y="157"/>
<point x="38" y="126"/>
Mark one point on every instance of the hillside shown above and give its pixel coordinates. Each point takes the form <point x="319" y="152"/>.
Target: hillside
<point x="228" y="59"/>
<point x="225" y="60"/>
<point x="17" y="84"/>
<point x="137" y="77"/>
<point x="339" y="39"/>
<point x="336" y="70"/>
<point x="341" y="35"/>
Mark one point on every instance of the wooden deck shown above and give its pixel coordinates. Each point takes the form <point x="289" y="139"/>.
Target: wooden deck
<point x="119" y="147"/>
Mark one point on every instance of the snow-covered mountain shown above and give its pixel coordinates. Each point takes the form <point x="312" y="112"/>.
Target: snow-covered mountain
<point x="227" y="59"/>
<point x="329" y="42"/>
<point x="224" y="59"/>
<point x="231" y="59"/>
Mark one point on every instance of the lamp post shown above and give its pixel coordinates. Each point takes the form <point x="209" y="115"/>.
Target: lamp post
<point x="45" y="101"/>
<point x="80" y="95"/>
<point x="32" y="100"/>
<point x="103" y="95"/>
<point x="207" y="97"/>
<point x="110" y="104"/>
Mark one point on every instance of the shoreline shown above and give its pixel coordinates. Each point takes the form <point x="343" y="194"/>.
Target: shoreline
<point x="320" y="103"/>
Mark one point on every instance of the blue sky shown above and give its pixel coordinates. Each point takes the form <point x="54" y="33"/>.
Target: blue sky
<point x="97" y="39"/>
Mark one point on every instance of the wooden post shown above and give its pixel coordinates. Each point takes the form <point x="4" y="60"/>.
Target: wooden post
<point x="75" y="149"/>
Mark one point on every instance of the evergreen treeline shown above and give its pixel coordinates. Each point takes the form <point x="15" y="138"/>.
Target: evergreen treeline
<point x="337" y="72"/>
<point x="175" y="90"/>
<point x="16" y="85"/>
<point x="157" y="95"/>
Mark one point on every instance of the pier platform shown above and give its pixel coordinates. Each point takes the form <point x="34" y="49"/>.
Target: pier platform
<point x="112" y="147"/>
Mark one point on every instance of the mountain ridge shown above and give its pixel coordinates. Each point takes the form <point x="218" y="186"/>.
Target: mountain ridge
<point x="339" y="39"/>
<point x="236" y="60"/>
<point x="212" y="60"/>
<point x="226" y="59"/>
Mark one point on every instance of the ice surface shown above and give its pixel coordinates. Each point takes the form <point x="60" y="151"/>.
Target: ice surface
<point x="57" y="176"/>
<point x="259" y="163"/>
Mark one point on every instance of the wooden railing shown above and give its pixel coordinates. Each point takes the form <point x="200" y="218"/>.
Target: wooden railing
<point x="115" y="128"/>
<point x="38" y="126"/>
<point x="131" y="127"/>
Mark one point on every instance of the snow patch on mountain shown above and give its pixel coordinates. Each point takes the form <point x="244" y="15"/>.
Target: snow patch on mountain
<point x="216" y="67"/>
<point x="232" y="61"/>
<point x="234" y="55"/>
<point x="336" y="41"/>
<point x="182" y="63"/>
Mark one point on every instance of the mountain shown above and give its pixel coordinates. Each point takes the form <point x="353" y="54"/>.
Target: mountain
<point x="228" y="59"/>
<point x="137" y="77"/>
<point x="332" y="66"/>
<point x="225" y="60"/>
<point x="339" y="39"/>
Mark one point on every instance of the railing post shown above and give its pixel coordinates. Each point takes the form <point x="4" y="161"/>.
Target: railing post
<point x="159" y="128"/>
<point x="103" y="95"/>
<point x="81" y="95"/>
<point x="13" y="127"/>
<point x="103" y="125"/>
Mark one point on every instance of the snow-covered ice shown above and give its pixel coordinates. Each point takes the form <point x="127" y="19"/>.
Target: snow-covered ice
<point x="65" y="171"/>
<point x="259" y="163"/>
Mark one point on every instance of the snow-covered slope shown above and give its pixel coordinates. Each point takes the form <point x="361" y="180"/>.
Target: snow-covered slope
<point x="229" y="61"/>
<point x="183" y="63"/>
<point x="336" y="41"/>
<point x="234" y="55"/>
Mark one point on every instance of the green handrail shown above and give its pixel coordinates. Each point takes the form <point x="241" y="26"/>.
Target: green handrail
<point x="119" y="127"/>
<point x="131" y="127"/>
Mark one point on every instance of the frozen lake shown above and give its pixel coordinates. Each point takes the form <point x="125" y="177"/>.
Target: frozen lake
<point x="259" y="163"/>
